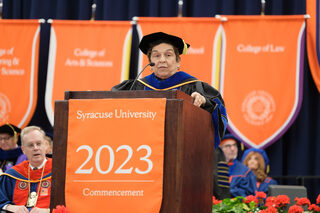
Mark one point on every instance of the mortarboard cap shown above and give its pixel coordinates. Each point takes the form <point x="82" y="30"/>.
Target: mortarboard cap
<point x="177" y="42"/>
<point x="10" y="129"/>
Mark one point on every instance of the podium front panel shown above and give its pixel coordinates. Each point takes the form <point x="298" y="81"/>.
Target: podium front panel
<point x="188" y="151"/>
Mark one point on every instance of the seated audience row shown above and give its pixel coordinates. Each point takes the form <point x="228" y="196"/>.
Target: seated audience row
<point x="247" y="176"/>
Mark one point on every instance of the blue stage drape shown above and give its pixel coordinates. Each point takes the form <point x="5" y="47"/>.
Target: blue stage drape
<point x="295" y="154"/>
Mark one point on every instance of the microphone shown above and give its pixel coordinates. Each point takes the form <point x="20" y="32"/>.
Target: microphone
<point x="135" y="80"/>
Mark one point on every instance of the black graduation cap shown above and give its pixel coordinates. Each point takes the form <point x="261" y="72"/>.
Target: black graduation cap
<point x="171" y="39"/>
<point x="10" y="129"/>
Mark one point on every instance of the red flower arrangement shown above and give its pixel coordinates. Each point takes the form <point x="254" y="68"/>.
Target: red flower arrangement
<point x="261" y="195"/>
<point x="270" y="201"/>
<point x="215" y="201"/>
<point x="295" y="209"/>
<point x="251" y="198"/>
<point x="260" y="203"/>
<point x="61" y="209"/>
<point x="282" y="201"/>
<point x="271" y="209"/>
<point x="314" y="208"/>
<point x="302" y="201"/>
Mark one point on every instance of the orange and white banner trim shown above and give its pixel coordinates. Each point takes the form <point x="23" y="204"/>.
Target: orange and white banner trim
<point x="18" y="70"/>
<point x="262" y="75"/>
<point x="86" y="55"/>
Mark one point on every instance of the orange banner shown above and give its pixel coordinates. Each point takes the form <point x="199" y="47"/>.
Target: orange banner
<point x="313" y="43"/>
<point x="86" y="55"/>
<point x="203" y="57"/>
<point x="261" y="79"/>
<point x="115" y="155"/>
<point x="18" y="70"/>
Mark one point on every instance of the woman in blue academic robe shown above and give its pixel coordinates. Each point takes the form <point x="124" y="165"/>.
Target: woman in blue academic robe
<point x="258" y="161"/>
<point x="163" y="51"/>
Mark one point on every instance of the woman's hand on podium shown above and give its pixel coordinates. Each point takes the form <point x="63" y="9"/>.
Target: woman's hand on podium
<point x="198" y="99"/>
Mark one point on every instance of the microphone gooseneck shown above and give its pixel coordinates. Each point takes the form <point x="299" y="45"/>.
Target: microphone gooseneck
<point x="150" y="64"/>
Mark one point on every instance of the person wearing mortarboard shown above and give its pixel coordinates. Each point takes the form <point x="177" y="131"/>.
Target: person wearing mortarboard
<point x="242" y="179"/>
<point x="9" y="149"/>
<point x="163" y="51"/>
<point x="258" y="161"/>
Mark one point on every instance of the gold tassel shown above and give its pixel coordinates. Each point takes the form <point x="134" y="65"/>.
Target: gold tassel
<point x="15" y="134"/>
<point x="185" y="48"/>
<point x="268" y="169"/>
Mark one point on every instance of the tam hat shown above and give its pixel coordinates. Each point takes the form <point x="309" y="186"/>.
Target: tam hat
<point x="261" y="152"/>
<point x="228" y="136"/>
<point x="147" y="40"/>
<point x="10" y="129"/>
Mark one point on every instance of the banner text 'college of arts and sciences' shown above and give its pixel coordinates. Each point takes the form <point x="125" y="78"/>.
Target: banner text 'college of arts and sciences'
<point x="86" y="55"/>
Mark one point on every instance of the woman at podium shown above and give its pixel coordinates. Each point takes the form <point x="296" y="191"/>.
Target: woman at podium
<point x="163" y="51"/>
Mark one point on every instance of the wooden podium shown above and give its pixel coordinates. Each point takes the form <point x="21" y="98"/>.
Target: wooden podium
<point x="188" y="150"/>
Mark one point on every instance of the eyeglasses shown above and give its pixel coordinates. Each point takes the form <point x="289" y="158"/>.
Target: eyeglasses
<point x="5" y="138"/>
<point x="229" y="146"/>
<point x="34" y="145"/>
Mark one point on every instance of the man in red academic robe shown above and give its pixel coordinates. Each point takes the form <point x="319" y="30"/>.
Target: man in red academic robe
<point x="26" y="187"/>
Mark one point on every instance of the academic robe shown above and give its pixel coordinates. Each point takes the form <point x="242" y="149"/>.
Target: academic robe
<point x="221" y="185"/>
<point x="14" y="185"/>
<point x="187" y="84"/>
<point x="242" y="180"/>
<point x="264" y="186"/>
<point x="9" y="158"/>
<point x="21" y="158"/>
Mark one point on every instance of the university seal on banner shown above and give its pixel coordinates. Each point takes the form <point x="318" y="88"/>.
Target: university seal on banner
<point x="5" y="108"/>
<point x="262" y="90"/>
<point x="258" y="107"/>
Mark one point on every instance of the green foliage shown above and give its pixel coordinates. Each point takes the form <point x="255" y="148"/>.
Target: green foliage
<point x="235" y="205"/>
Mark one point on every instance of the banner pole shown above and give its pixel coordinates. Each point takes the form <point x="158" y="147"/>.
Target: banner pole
<point x="263" y="6"/>
<point x="1" y="8"/>
<point x="180" y="8"/>
<point x="93" y="11"/>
